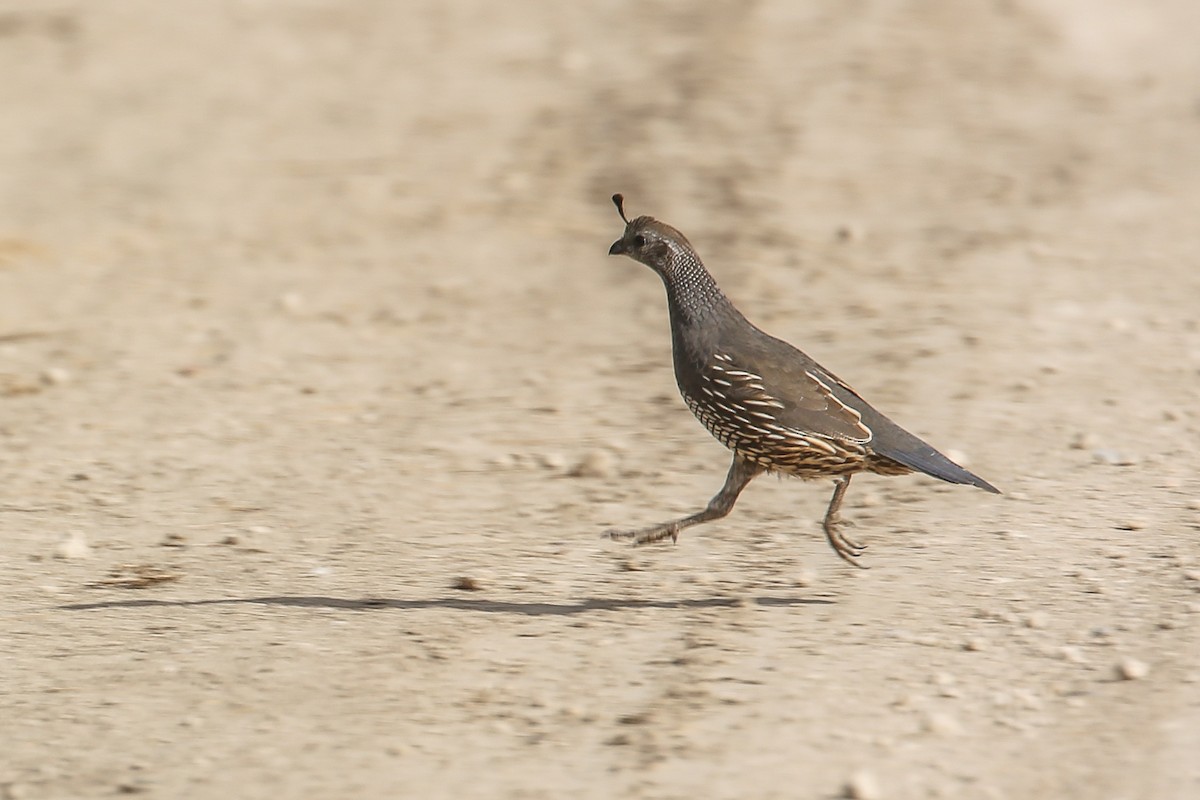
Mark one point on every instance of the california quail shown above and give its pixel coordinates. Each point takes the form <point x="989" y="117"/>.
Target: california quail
<point x="773" y="406"/>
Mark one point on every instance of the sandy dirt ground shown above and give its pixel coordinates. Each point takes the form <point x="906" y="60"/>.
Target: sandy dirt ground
<point x="318" y="388"/>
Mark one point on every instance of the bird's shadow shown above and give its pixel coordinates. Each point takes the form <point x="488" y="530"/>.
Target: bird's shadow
<point x="583" y="606"/>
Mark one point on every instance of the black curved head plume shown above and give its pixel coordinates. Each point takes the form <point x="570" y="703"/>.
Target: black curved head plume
<point x="647" y="240"/>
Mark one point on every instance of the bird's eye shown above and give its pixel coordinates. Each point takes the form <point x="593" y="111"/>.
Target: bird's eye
<point x="639" y="241"/>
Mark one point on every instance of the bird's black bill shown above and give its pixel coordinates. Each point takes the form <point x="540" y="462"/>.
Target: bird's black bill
<point x="618" y="248"/>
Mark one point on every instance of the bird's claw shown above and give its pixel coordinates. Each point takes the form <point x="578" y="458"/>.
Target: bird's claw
<point x="647" y="536"/>
<point x="846" y="548"/>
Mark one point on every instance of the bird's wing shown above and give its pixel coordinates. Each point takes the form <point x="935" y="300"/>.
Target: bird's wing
<point x="784" y="387"/>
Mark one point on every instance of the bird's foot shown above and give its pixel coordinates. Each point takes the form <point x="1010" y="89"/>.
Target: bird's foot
<point x="655" y="533"/>
<point x="848" y="549"/>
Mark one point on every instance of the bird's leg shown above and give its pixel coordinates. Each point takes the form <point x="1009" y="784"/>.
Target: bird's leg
<point x="844" y="546"/>
<point x="741" y="472"/>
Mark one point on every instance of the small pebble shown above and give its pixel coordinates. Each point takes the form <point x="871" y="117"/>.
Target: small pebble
<point x="1037" y="620"/>
<point x="975" y="644"/>
<point x="75" y="546"/>
<point x="862" y="786"/>
<point x="870" y="500"/>
<point x="942" y="725"/>
<point x="555" y="462"/>
<point x="291" y="302"/>
<point x="173" y="539"/>
<point x="465" y="584"/>
<point x="848" y="232"/>
<point x="1085" y="441"/>
<point x="1071" y="654"/>
<point x="595" y="464"/>
<point x="1114" y="458"/>
<point x="943" y="679"/>
<point x="1027" y="699"/>
<point x="1131" y="669"/>
<point x="806" y="576"/>
<point x="1191" y="574"/>
<point x="55" y="376"/>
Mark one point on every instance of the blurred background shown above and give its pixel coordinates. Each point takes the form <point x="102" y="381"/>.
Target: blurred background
<point x="308" y="301"/>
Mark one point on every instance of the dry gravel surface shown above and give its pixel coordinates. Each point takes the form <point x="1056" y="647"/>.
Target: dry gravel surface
<point x="318" y="388"/>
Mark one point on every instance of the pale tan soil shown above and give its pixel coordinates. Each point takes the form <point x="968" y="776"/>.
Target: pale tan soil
<point x="305" y="315"/>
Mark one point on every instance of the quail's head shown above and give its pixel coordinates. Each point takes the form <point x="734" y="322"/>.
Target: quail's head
<point x="648" y="241"/>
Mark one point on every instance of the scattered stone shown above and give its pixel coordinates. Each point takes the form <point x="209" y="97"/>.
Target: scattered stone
<point x="862" y="785"/>
<point x="595" y="464"/>
<point x="1085" y="441"/>
<point x="174" y="539"/>
<point x="1191" y="574"/>
<point x="291" y="302"/>
<point x="1127" y="525"/>
<point x="806" y="577"/>
<point x="1027" y="699"/>
<point x="555" y="462"/>
<point x="943" y="680"/>
<point x="1071" y="654"/>
<point x="975" y="644"/>
<point x="502" y="460"/>
<point x="1114" y="458"/>
<point x="14" y="791"/>
<point x="869" y="500"/>
<point x="465" y="584"/>
<point x="231" y="538"/>
<point x="847" y="232"/>
<point x="74" y="547"/>
<point x="55" y="376"/>
<point x="941" y="724"/>
<point x="1037" y="620"/>
<point x="1131" y="669"/>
